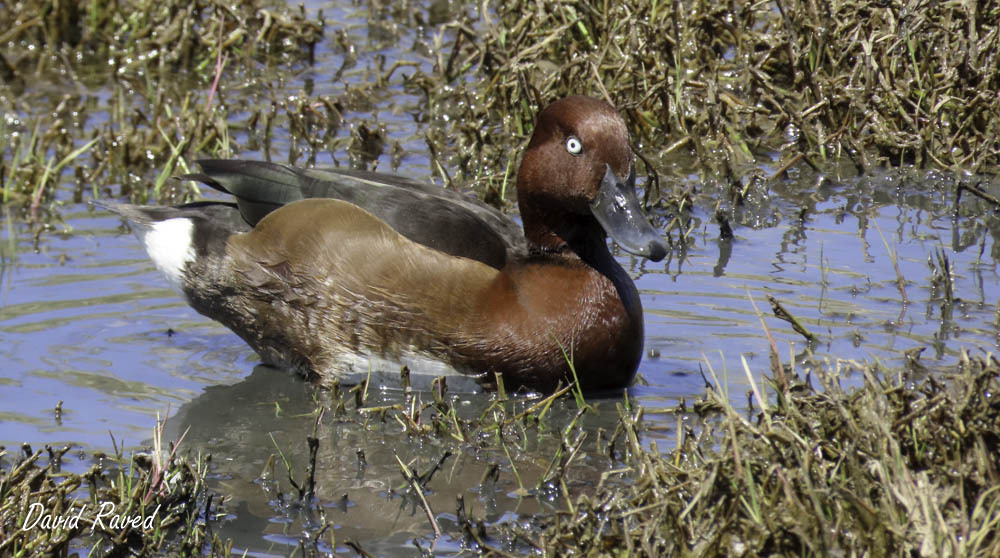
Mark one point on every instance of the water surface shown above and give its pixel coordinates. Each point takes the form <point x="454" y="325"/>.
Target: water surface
<point x="85" y="319"/>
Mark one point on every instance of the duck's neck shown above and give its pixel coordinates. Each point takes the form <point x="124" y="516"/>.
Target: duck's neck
<point x="542" y="236"/>
<point x="588" y="244"/>
<point x="592" y="249"/>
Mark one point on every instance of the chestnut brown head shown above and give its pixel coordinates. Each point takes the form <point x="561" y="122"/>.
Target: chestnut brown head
<point x="577" y="174"/>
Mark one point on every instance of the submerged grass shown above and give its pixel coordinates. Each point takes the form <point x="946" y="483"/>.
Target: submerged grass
<point x="140" y="504"/>
<point x="714" y="89"/>
<point x="906" y="463"/>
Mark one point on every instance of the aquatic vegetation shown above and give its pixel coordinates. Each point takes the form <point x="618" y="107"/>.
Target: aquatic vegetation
<point x="732" y="84"/>
<point x="725" y="101"/>
<point x="907" y="461"/>
<point x="707" y="88"/>
<point x="160" y="63"/>
<point x="145" y="504"/>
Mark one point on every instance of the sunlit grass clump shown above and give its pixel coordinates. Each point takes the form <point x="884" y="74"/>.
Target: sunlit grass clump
<point x="908" y="463"/>
<point x="708" y="89"/>
<point x="127" y="504"/>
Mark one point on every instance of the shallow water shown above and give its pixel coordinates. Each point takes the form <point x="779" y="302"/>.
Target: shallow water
<point x="85" y="319"/>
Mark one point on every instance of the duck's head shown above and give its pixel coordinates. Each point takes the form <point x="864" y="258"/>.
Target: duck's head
<point x="577" y="181"/>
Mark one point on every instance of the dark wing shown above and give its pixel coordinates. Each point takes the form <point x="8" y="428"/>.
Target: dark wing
<point x="442" y="219"/>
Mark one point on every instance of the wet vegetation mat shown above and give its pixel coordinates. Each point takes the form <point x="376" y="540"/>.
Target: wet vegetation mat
<point x="713" y="89"/>
<point x="907" y="463"/>
<point x="882" y="83"/>
<point x="159" y="63"/>
<point x="139" y="504"/>
<point x="728" y="104"/>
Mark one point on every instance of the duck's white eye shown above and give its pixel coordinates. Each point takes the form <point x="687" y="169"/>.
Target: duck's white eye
<point x="574" y="145"/>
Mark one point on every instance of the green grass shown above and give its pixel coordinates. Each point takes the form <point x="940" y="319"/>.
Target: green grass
<point x="715" y="91"/>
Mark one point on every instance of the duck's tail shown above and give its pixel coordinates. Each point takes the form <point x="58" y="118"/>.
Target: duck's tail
<point x="175" y="237"/>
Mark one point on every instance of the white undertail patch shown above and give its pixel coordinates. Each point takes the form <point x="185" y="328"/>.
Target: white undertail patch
<point x="169" y="244"/>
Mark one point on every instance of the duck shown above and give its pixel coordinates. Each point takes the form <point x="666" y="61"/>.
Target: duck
<point x="339" y="274"/>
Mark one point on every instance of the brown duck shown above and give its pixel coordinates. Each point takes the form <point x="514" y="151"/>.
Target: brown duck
<point x="342" y="274"/>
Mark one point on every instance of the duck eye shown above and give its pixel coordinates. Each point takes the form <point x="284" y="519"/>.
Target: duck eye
<point x="574" y="145"/>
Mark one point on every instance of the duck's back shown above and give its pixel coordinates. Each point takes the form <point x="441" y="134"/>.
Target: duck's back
<point x="444" y="220"/>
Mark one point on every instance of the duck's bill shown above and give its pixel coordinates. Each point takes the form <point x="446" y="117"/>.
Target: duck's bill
<point x="618" y="210"/>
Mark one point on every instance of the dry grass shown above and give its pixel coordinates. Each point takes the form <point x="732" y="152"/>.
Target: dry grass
<point x="905" y="465"/>
<point x="883" y="83"/>
<point x="718" y="89"/>
<point x="714" y="89"/>
<point x="165" y="492"/>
